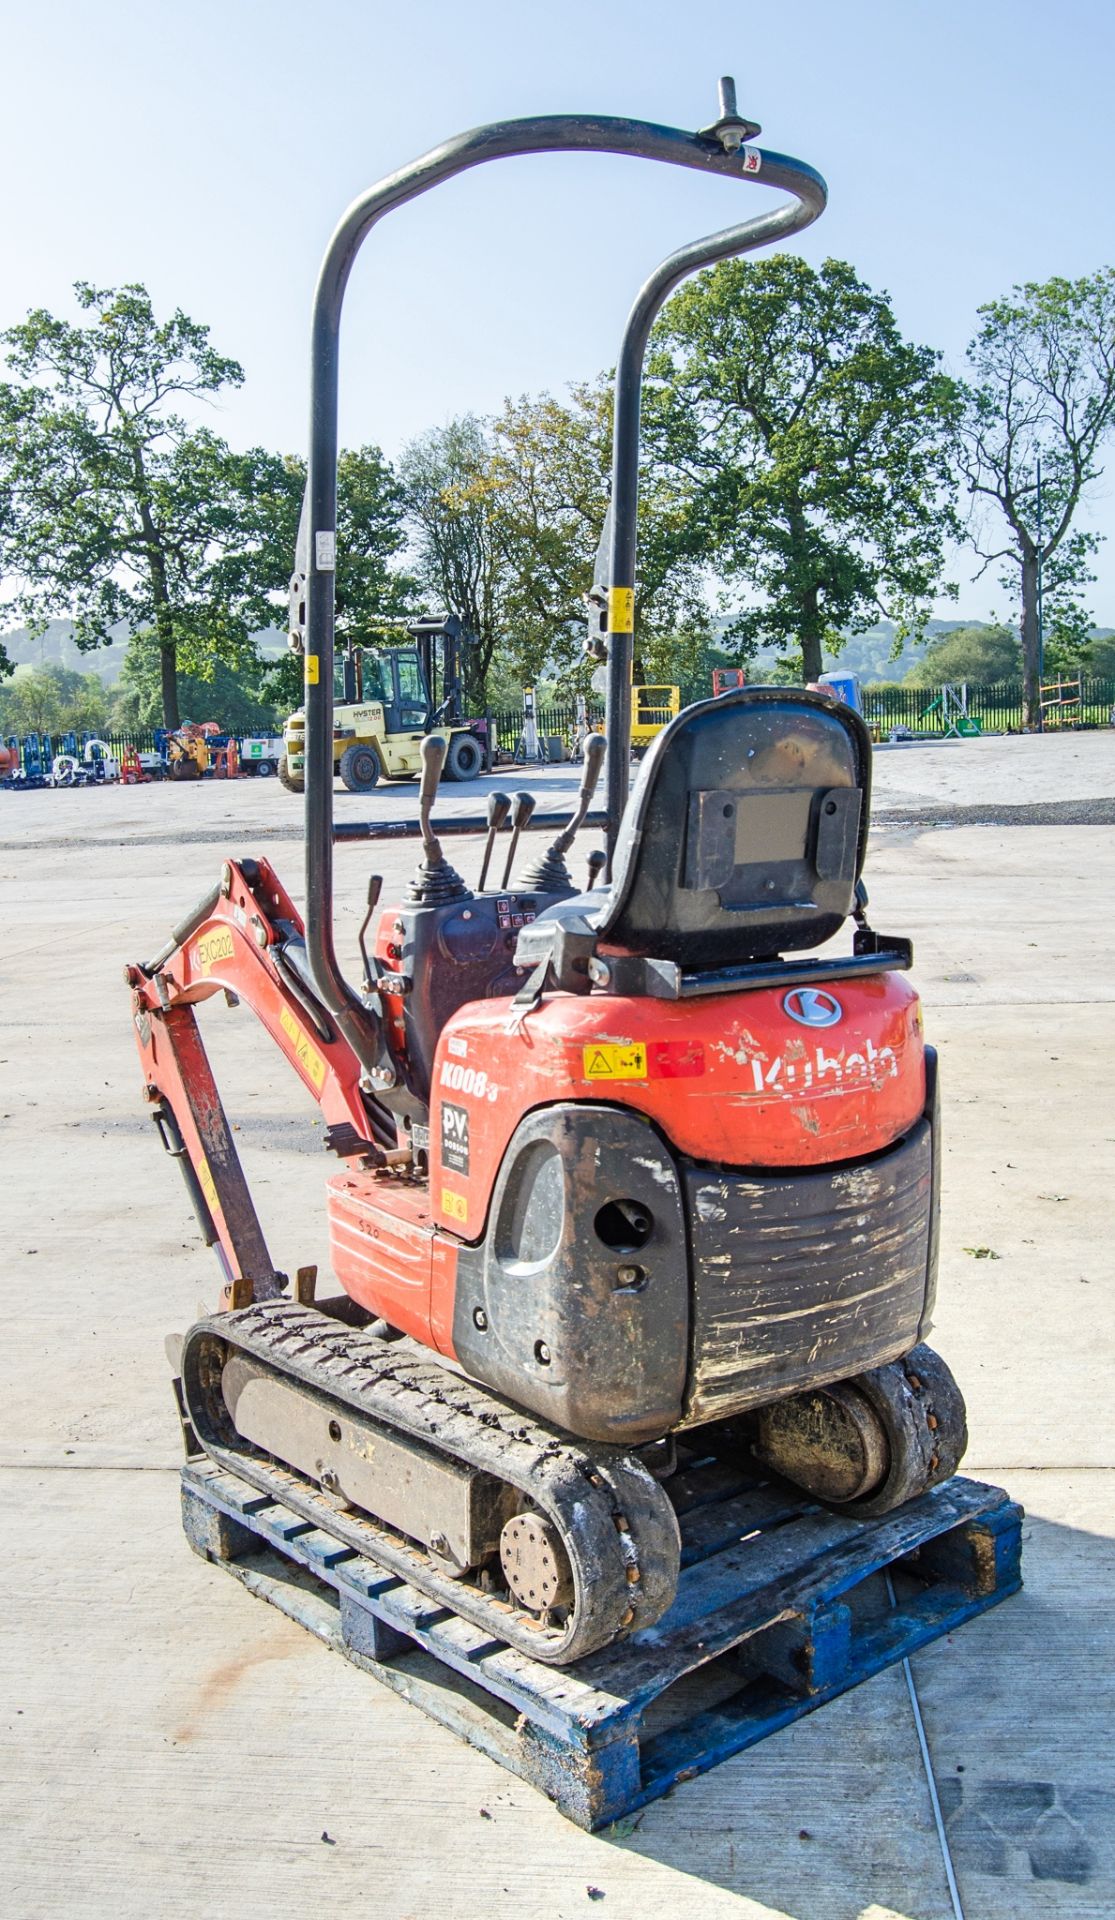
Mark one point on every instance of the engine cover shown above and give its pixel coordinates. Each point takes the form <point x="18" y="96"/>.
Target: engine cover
<point x="736" y="1080"/>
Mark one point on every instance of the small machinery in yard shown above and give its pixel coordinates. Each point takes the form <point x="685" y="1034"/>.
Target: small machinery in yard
<point x="652" y="708"/>
<point x="260" y="754"/>
<point x="392" y="698"/>
<point x="635" y="1211"/>
<point x="187" y="754"/>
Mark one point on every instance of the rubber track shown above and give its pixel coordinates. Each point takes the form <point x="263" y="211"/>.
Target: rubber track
<point x="616" y="1523"/>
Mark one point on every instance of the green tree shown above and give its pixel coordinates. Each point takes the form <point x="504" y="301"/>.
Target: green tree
<point x="52" y="699"/>
<point x="236" y="696"/>
<point x="111" y="508"/>
<point x="1043" y="389"/>
<point x="452" y="503"/>
<point x="1099" y="656"/>
<point x="507" y="515"/>
<point x="816" y="445"/>
<point x="551" y="469"/>
<point x="979" y="654"/>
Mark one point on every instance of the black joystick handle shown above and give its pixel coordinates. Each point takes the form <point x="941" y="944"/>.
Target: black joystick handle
<point x="499" y="806"/>
<point x="435" y="882"/>
<point x="522" y="806"/>
<point x="550" y="873"/>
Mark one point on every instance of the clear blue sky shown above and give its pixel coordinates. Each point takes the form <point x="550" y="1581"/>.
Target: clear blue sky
<point x="207" y="149"/>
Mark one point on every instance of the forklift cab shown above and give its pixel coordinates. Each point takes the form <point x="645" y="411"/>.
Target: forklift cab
<point x="419" y="686"/>
<point x="393" y="677"/>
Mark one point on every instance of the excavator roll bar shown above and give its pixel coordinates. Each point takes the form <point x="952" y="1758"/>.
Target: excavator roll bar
<point x="722" y="149"/>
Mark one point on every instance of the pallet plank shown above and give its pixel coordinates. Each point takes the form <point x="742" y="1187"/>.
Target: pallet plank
<point x="785" y="1607"/>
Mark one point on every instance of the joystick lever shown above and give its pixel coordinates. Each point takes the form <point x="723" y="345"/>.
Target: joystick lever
<point x="522" y="806"/>
<point x="433" y="760"/>
<point x="435" y="882"/>
<point x="550" y="873"/>
<point x="499" y="806"/>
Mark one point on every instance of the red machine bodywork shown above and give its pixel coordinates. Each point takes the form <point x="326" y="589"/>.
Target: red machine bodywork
<point x="760" y="1090"/>
<point x="229" y="951"/>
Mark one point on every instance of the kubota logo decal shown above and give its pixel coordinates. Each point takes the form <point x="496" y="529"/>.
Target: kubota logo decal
<point x="812" y="1007"/>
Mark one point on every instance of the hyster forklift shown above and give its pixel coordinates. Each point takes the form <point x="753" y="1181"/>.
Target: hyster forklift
<point x="627" y="1175"/>
<point x="391" y="698"/>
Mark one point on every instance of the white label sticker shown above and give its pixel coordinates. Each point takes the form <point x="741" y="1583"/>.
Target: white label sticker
<point x="326" y="548"/>
<point x="752" y="163"/>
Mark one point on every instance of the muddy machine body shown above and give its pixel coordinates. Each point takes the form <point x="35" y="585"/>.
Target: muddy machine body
<point x="628" y="1174"/>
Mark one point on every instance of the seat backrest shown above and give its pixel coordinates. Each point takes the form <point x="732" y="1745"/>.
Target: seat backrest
<point x="745" y="832"/>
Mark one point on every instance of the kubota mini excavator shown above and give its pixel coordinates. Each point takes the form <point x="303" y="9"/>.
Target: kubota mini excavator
<point x="627" y="1174"/>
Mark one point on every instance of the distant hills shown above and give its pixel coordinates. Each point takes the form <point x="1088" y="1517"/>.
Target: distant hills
<point x="56" y="648"/>
<point x="868" y="654"/>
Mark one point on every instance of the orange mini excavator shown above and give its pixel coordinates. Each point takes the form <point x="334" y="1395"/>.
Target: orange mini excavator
<point x="623" y="1172"/>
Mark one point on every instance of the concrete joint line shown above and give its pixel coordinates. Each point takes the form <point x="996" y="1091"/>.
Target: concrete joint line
<point x="930" y="1779"/>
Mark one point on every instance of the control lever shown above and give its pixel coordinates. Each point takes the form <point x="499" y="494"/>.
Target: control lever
<point x="375" y="888"/>
<point x="436" y="882"/>
<point x="434" y="750"/>
<point x="550" y="873"/>
<point x="499" y="806"/>
<point x="522" y="806"/>
<point x="597" y="861"/>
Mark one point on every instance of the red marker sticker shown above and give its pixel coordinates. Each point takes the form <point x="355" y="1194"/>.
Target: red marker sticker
<point x="675" y="1059"/>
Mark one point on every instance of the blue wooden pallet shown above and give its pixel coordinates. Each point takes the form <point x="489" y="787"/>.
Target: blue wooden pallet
<point x="780" y="1607"/>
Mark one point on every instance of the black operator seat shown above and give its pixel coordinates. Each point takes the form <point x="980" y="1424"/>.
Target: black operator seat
<point x="743" y="839"/>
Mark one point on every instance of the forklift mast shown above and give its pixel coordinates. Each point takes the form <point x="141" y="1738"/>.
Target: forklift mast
<point x="437" y="683"/>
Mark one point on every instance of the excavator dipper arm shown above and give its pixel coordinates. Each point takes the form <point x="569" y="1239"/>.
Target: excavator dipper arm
<point x="244" y="939"/>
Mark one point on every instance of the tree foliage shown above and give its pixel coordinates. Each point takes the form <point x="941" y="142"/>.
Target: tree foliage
<point x="111" y="508"/>
<point x="50" y="699"/>
<point x="815" y="442"/>
<point x="507" y="515"/>
<point x="451" y="502"/>
<point x="235" y="695"/>
<point x="1043" y="365"/>
<point x="983" y="655"/>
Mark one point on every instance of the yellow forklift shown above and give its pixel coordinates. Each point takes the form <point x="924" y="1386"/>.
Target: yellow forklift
<point x="387" y="701"/>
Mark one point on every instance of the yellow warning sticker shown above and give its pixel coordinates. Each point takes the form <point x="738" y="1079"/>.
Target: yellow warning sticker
<point x="208" y="1186"/>
<point x="305" y="1052"/>
<point x="621" y="609"/>
<point x="213" y="947"/>
<point x="454" y="1204"/>
<point x="312" y="664"/>
<point x="608" y="1060"/>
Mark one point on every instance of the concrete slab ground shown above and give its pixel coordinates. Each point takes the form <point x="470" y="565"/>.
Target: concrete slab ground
<point x="169" y="1745"/>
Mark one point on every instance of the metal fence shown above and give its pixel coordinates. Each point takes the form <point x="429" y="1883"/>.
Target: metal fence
<point x="998" y="709"/>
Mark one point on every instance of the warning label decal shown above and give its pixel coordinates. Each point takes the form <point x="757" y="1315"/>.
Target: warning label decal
<point x="454" y="1204"/>
<point x="208" y="1185"/>
<point x="611" y="1060"/>
<point x="305" y="1052"/>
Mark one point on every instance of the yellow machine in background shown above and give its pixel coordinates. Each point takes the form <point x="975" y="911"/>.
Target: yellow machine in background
<point x="652" y="708"/>
<point x="386" y="701"/>
<point x="187" y="754"/>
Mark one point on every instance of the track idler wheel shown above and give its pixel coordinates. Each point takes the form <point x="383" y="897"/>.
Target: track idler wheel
<point x="867" y="1445"/>
<point x="535" y="1564"/>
